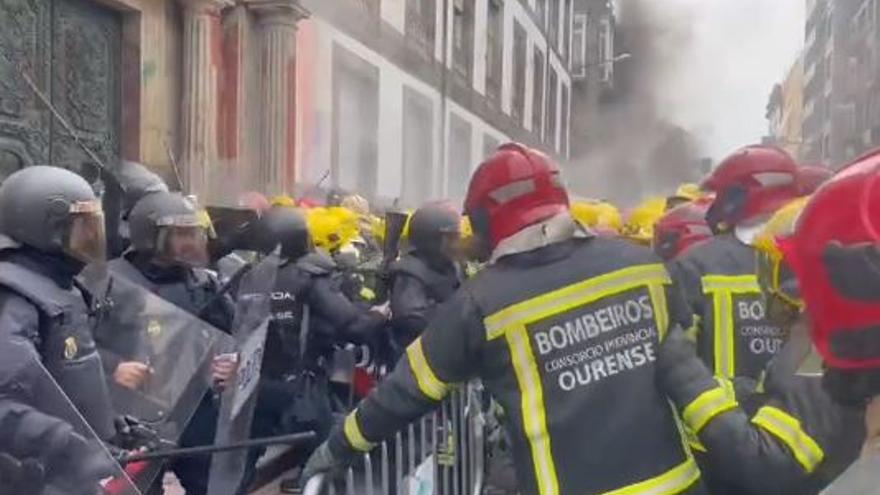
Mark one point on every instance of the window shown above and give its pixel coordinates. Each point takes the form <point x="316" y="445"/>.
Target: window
<point x="418" y="147"/>
<point x="517" y="107"/>
<point x="563" y="122"/>
<point x="355" y="122"/>
<point x="553" y="22"/>
<point x="420" y="24"/>
<point x="459" y="156"/>
<point x="494" y="49"/>
<point x="579" y="46"/>
<point x="462" y="37"/>
<point x="550" y="112"/>
<point x="538" y="92"/>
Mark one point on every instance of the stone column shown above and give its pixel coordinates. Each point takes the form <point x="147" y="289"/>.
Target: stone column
<point x="277" y="22"/>
<point x="201" y="65"/>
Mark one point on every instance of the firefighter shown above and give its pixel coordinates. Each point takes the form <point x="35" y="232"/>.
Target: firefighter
<point x="639" y="225"/>
<point x="599" y="216"/>
<point x="801" y="438"/>
<point x="681" y="228"/>
<point x="428" y="274"/>
<point x="734" y="336"/>
<point x="562" y="327"/>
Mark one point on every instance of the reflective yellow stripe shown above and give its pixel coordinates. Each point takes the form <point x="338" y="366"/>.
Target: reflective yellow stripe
<point x="722" y="288"/>
<point x="573" y="295"/>
<point x="661" y="310"/>
<point x="676" y="480"/>
<point x="428" y="382"/>
<point x="353" y="433"/>
<point x="532" y="403"/>
<point x="788" y="429"/>
<point x="737" y="284"/>
<point x="708" y="405"/>
<point x="725" y="356"/>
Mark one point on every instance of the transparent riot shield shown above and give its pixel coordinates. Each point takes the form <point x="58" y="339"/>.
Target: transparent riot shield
<point x="157" y="358"/>
<point x="46" y="446"/>
<point x="252" y="313"/>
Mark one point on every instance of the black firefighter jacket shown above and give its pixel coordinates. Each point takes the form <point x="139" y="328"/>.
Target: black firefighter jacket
<point x="734" y="336"/>
<point x="565" y="338"/>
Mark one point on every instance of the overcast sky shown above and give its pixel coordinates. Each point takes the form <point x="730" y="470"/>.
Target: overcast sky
<point x="738" y="50"/>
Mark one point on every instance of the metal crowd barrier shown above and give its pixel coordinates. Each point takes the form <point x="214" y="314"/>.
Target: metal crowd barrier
<point x="443" y="453"/>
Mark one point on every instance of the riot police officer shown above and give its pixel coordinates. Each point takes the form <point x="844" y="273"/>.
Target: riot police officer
<point x="562" y="329"/>
<point x="52" y="226"/>
<point x="428" y="274"/>
<point x="310" y="317"/>
<point x="167" y="255"/>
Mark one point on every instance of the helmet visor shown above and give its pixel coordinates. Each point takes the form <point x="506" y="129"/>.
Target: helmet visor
<point x="86" y="239"/>
<point x="183" y="240"/>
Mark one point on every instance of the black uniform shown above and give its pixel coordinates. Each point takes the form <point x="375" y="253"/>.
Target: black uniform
<point x="420" y="284"/>
<point x="796" y="443"/>
<point x="564" y="337"/>
<point x="40" y="305"/>
<point x="735" y="338"/>
<point x="194" y="291"/>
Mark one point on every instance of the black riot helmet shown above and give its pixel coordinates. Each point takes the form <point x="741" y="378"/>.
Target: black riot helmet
<point x="55" y="211"/>
<point x="435" y="229"/>
<point x="137" y="181"/>
<point x="167" y="227"/>
<point x="285" y="226"/>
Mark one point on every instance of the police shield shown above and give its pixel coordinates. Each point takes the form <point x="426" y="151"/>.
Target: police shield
<point x="252" y="313"/>
<point x="46" y="446"/>
<point x="157" y="358"/>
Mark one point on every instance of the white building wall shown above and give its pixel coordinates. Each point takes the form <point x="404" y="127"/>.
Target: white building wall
<point x="314" y="120"/>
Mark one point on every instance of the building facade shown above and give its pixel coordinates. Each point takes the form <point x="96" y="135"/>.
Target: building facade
<point x="592" y="66"/>
<point x="785" y="111"/>
<point x="841" y="106"/>
<point x="401" y="99"/>
<point x="391" y="98"/>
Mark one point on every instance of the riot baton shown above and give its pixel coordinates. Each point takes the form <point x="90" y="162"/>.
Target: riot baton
<point x="293" y="439"/>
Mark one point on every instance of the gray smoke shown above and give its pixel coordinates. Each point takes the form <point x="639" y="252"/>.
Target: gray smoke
<point x="636" y="147"/>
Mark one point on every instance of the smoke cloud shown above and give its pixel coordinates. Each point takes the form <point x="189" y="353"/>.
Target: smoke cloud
<point x="635" y="146"/>
<point x="697" y="84"/>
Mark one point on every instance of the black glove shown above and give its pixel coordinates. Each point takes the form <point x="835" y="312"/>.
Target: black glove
<point x="324" y="461"/>
<point x="681" y="375"/>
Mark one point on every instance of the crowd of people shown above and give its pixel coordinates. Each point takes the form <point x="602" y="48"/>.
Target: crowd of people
<point x="721" y="340"/>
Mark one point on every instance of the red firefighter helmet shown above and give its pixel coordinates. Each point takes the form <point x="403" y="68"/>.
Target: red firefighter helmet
<point x="515" y="187"/>
<point x="682" y="227"/>
<point x="810" y="177"/>
<point x="752" y="182"/>
<point x="835" y="254"/>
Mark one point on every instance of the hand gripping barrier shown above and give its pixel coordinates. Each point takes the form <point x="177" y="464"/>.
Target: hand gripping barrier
<point x="443" y="453"/>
